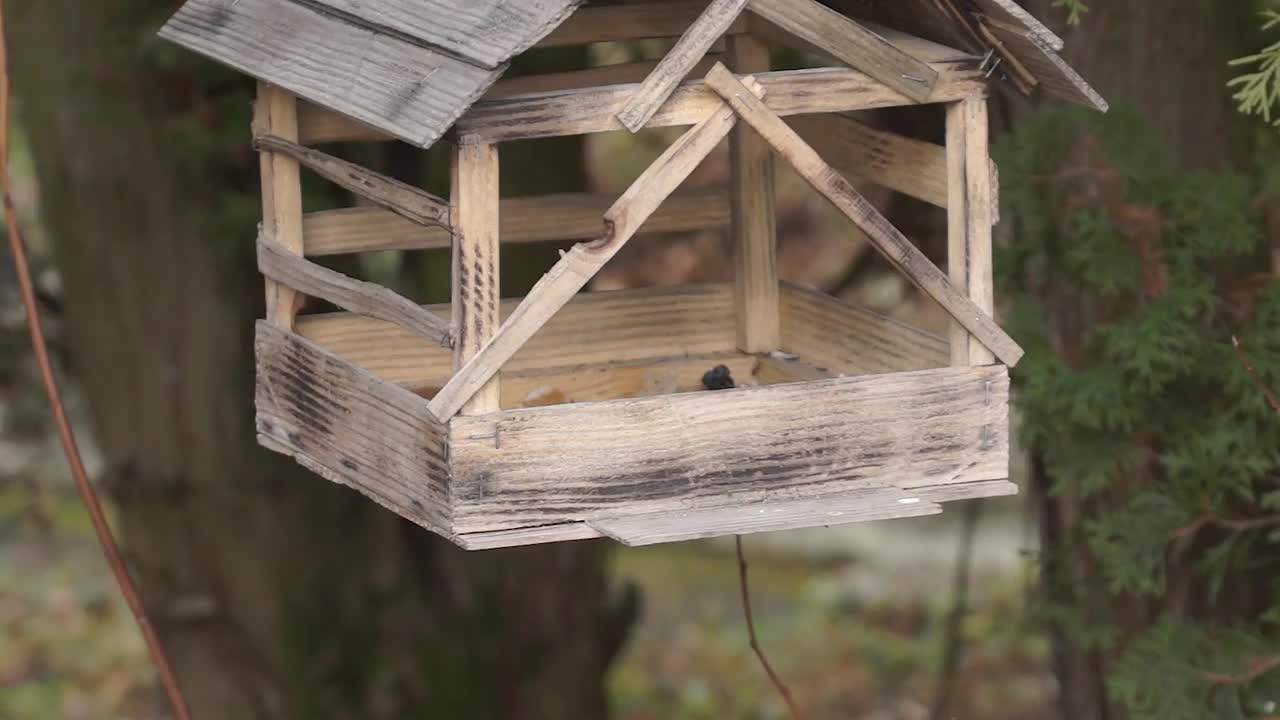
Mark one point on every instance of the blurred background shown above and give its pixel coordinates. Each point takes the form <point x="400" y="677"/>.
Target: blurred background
<point x="1137" y="575"/>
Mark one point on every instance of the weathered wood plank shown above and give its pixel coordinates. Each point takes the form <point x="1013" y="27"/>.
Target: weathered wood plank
<point x="364" y="298"/>
<point x="849" y="340"/>
<point x="1011" y="13"/>
<point x="353" y="429"/>
<point x="476" y="279"/>
<point x="1055" y="76"/>
<point x="593" y="329"/>
<point x="789" y="92"/>
<point x="920" y="48"/>
<point x="579" y="265"/>
<point x="616" y="74"/>
<point x="911" y="167"/>
<point x="795" y="441"/>
<point x="631" y="21"/>
<point x="693" y="45"/>
<point x="755" y="225"/>
<point x="852" y="44"/>
<point x="482" y="32"/>
<point x="404" y="200"/>
<point x="958" y="221"/>
<point x="742" y="519"/>
<point x="883" y="235"/>
<point x="401" y="88"/>
<point x="540" y="218"/>
<point x="276" y="111"/>
<point x="979" y="216"/>
<point x="583" y="531"/>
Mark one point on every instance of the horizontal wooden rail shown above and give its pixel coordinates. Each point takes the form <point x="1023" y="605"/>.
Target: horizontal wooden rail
<point x="635" y="21"/>
<point x="364" y="298"/>
<point x="541" y="218"/>
<point x="593" y="110"/>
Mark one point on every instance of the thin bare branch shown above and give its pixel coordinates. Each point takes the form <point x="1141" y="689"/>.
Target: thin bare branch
<point x="783" y="690"/>
<point x="1253" y="375"/>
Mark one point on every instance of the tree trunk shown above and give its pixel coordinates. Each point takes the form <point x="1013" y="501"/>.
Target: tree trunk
<point x="277" y="594"/>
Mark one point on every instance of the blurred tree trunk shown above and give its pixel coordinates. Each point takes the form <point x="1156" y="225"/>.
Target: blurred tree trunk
<point x="1171" y="64"/>
<point x="277" y="594"/>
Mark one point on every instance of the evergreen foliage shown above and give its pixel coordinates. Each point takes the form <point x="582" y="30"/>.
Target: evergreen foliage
<point x="1126" y="285"/>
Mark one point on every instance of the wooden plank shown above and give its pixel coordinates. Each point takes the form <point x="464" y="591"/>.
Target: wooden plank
<point x="796" y="441"/>
<point x="369" y="299"/>
<point x="276" y="112"/>
<point x="631" y="21"/>
<point x="920" y="48"/>
<point x="1055" y="76"/>
<point x="403" y="89"/>
<point x="692" y="46"/>
<point x="616" y="74"/>
<point x="351" y="428"/>
<point x="851" y="43"/>
<point x="911" y="167"/>
<point x="404" y="200"/>
<point x="613" y="380"/>
<point x="755" y="225"/>
<point x="850" y="340"/>
<point x="486" y="33"/>
<point x="883" y="235"/>
<point x="958" y="222"/>
<point x="1011" y="13"/>
<point x="476" y="286"/>
<point x="594" y="329"/>
<point x="924" y="18"/>
<point x="582" y="531"/>
<point x="789" y="92"/>
<point x="858" y="506"/>
<point x="979" y="216"/>
<point x="541" y="218"/>
<point x="580" y="264"/>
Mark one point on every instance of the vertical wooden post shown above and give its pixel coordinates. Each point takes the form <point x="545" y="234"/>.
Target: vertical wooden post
<point x="275" y="112"/>
<point x="970" y="215"/>
<point x="756" y="300"/>
<point x="476" y="287"/>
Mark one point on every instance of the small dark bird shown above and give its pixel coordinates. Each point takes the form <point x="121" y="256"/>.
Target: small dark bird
<point x="718" y="378"/>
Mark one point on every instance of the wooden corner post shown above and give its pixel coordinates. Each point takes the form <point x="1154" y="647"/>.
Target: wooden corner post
<point x="970" y="216"/>
<point x="275" y="112"/>
<point x="476" y="287"/>
<point x="754" y="226"/>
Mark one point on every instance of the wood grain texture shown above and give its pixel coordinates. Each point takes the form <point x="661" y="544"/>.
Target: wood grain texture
<point x="790" y="442"/>
<point x="852" y="44"/>
<point x="788" y="92"/>
<point x="849" y="340"/>
<point x="364" y="298"/>
<point x="540" y="218"/>
<point x="404" y="200"/>
<point x="683" y="525"/>
<point x="755" y="226"/>
<point x="582" y="531"/>
<point x="1055" y="76"/>
<point x="401" y="88"/>
<point x="630" y="21"/>
<point x="594" y="328"/>
<point x="883" y="235"/>
<point x="957" y="222"/>
<point x="476" y="285"/>
<point x="906" y="165"/>
<point x="616" y="74"/>
<point x="486" y="33"/>
<point x="351" y="428"/>
<point x="979" y="202"/>
<point x="924" y="18"/>
<point x="1011" y="13"/>
<point x="692" y="47"/>
<point x="276" y="112"/>
<point x="579" y="265"/>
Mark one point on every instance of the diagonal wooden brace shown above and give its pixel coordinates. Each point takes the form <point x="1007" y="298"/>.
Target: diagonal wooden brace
<point x="580" y="264"/>
<point x="887" y="239"/>
<point x="710" y="26"/>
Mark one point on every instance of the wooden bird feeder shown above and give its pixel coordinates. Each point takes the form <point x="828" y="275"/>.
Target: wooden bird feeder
<point x="849" y="416"/>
